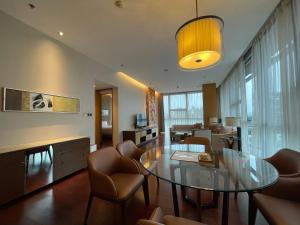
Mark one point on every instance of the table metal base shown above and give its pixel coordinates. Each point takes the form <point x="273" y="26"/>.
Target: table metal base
<point x="210" y="205"/>
<point x="214" y="204"/>
<point x="175" y="200"/>
<point x="225" y="208"/>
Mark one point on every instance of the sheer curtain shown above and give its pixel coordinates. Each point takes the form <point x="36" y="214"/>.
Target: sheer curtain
<point x="233" y="99"/>
<point x="276" y="118"/>
<point x="269" y="91"/>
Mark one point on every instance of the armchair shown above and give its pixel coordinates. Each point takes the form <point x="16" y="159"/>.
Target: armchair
<point x="113" y="178"/>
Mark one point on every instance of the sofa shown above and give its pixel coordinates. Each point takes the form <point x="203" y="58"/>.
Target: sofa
<point x="184" y="128"/>
<point x="218" y="133"/>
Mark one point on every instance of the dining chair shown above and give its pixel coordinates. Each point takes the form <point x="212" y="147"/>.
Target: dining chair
<point x="158" y="218"/>
<point x="286" y="161"/>
<point x="130" y="150"/>
<point x="284" y="194"/>
<point x="279" y="203"/>
<point x="199" y="141"/>
<point x="113" y="178"/>
<point x="202" y="133"/>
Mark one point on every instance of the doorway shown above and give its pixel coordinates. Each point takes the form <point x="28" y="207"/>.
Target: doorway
<point x="104" y="122"/>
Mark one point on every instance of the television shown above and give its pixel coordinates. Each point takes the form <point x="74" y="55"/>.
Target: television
<point x="141" y="120"/>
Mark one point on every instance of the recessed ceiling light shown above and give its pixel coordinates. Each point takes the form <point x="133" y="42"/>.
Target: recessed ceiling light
<point x="31" y="6"/>
<point x="119" y="3"/>
<point x="60" y="33"/>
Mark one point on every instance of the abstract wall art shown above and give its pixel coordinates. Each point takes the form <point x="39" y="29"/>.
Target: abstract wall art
<point x="27" y="101"/>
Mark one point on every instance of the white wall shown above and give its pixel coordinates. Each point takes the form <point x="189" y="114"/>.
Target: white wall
<point x="30" y="60"/>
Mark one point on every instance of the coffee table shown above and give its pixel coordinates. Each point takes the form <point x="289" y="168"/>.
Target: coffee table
<point x="179" y="136"/>
<point x="229" y="172"/>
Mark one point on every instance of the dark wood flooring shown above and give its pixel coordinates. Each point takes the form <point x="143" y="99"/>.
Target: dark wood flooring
<point x="106" y="142"/>
<point x="65" y="203"/>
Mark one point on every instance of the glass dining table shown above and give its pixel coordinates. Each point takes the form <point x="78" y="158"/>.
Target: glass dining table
<point x="227" y="171"/>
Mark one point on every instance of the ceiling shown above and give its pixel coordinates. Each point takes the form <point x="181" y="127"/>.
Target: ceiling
<point x="141" y="35"/>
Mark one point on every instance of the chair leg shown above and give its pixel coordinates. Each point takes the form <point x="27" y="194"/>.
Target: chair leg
<point x="254" y="213"/>
<point x="123" y="213"/>
<point x="88" y="208"/>
<point x="41" y="157"/>
<point x="146" y="190"/>
<point x="235" y="195"/>
<point x="183" y="192"/>
<point x="27" y="162"/>
<point x="199" y="205"/>
<point x="50" y="157"/>
<point x="216" y="196"/>
<point x="252" y="210"/>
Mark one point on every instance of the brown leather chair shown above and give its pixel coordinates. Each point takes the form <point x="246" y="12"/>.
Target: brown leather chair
<point x="283" y="196"/>
<point x="280" y="203"/>
<point x="158" y="218"/>
<point x="286" y="161"/>
<point x="113" y="178"/>
<point x="198" y="141"/>
<point x="130" y="150"/>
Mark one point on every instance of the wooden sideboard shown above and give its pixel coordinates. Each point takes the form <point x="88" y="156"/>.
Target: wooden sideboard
<point x="141" y="136"/>
<point x="12" y="176"/>
<point x="69" y="156"/>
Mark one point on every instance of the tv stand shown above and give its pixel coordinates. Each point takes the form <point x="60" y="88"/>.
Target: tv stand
<point x="141" y="136"/>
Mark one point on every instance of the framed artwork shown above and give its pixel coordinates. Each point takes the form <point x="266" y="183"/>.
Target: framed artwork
<point x="27" y="101"/>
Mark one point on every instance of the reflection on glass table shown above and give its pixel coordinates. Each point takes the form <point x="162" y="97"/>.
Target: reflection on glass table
<point x="229" y="171"/>
<point x="39" y="168"/>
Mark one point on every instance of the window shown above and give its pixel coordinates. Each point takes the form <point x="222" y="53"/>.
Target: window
<point x="249" y="94"/>
<point x="182" y="108"/>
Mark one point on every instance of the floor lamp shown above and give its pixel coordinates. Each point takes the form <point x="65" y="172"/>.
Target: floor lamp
<point x="235" y="122"/>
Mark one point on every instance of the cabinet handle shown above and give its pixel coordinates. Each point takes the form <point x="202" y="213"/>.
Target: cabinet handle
<point x="22" y="163"/>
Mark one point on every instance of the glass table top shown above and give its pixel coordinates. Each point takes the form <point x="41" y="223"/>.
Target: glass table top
<point x="228" y="171"/>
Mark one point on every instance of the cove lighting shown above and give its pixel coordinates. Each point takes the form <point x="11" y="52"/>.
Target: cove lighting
<point x="132" y="80"/>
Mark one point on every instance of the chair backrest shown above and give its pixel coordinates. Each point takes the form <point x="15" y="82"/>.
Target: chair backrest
<point x="127" y="148"/>
<point x="286" y="161"/>
<point x="202" y="133"/>
<point x="156" y="218"/>
<point x="198" y="141"/>
<point x="104" y="160"/>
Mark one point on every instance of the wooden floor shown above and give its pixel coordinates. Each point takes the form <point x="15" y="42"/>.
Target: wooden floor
<point x="64" y="204"/>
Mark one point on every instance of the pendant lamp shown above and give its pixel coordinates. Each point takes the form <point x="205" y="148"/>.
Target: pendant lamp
<point x="199" y="42"/>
